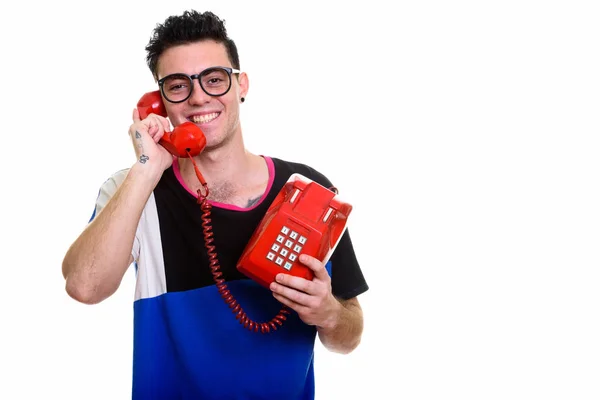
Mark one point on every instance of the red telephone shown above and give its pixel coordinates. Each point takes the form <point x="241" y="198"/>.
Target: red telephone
<point x="186" y="139"/>
<point x="304" y="218"/>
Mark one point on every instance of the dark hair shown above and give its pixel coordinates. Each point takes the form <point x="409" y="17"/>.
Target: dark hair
<point x="190" y="27"/>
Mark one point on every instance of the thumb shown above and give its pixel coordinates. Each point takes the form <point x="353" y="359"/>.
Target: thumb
<point x="136" y="115"/>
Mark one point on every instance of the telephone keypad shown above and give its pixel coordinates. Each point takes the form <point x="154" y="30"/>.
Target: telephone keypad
<point x="291" y="245"/>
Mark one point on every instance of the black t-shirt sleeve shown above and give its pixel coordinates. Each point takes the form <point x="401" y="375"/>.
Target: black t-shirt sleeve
<point x="347" y="280"/>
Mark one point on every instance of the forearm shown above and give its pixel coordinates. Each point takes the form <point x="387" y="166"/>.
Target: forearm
<point x="344" y="332"/>
<point x="96" y="262"/>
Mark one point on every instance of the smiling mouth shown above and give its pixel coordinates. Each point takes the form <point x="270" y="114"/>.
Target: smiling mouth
<point x="204" y="119"/>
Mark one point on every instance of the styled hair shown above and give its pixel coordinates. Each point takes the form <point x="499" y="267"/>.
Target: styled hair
<point x="190" y="27"/>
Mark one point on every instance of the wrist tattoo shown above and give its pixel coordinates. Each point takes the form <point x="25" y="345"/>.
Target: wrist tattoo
<point x="143" y="158"/>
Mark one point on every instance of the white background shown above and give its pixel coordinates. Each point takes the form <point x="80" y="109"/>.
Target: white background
<point x="464" y="133"/>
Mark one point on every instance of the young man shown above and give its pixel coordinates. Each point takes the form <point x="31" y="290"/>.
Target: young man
<point x="187" y="342"/>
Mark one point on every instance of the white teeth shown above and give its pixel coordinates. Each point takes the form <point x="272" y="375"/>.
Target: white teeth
<point x="203" y="119"/>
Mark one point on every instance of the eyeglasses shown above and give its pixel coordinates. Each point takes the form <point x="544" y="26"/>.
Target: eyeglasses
<point x="214" y="81"/>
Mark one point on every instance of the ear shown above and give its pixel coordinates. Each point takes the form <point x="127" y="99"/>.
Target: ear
<point x="244" y="84"/>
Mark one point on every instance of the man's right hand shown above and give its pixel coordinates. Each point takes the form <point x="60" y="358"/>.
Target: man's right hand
<point x="145" y="135"/>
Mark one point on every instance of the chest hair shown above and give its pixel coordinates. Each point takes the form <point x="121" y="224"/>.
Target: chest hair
<point x="228" y="193"/>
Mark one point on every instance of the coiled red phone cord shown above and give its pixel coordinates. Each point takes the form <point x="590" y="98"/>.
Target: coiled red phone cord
<point x="215" y="268"/>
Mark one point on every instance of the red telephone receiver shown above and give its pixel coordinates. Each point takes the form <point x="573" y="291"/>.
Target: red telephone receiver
<point x="185" y="140"/>
<point x="304" y="218"/>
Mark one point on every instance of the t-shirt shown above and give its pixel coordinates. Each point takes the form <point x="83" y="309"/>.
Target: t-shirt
<point x="188" y="343"/>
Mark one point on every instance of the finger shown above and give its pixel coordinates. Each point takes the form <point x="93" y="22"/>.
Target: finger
<point x="165" y="124"/>
<point x="296" y="282"/>
<point x="158" y="127"/>
<point x="315" y="265"/>
<point x="136" y="115"/>
<point x="291" y="294"/>
<point x="153" y="127"/>
<point x="291" y="304"/>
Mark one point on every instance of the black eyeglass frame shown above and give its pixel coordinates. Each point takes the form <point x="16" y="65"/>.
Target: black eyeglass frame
<point x="229" y="71"/>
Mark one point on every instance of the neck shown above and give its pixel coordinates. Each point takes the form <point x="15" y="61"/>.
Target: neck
<point x="228" y="170"/>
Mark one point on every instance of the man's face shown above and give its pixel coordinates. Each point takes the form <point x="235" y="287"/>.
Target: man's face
<point x="218" y="117"/>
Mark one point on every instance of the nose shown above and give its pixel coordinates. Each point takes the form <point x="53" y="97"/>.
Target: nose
<point x="198" y="96"/>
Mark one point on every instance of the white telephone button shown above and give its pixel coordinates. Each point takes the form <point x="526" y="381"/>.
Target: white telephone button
<point x="302" y="240"/>
<point x="270" y="256"/>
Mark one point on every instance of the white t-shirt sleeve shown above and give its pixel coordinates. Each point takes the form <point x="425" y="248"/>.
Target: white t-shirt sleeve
<point x="107" y="191"/>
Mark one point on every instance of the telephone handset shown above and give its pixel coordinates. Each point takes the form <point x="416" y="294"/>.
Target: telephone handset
<point x="186" y="139"/>
<point x="304" y="218"/>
